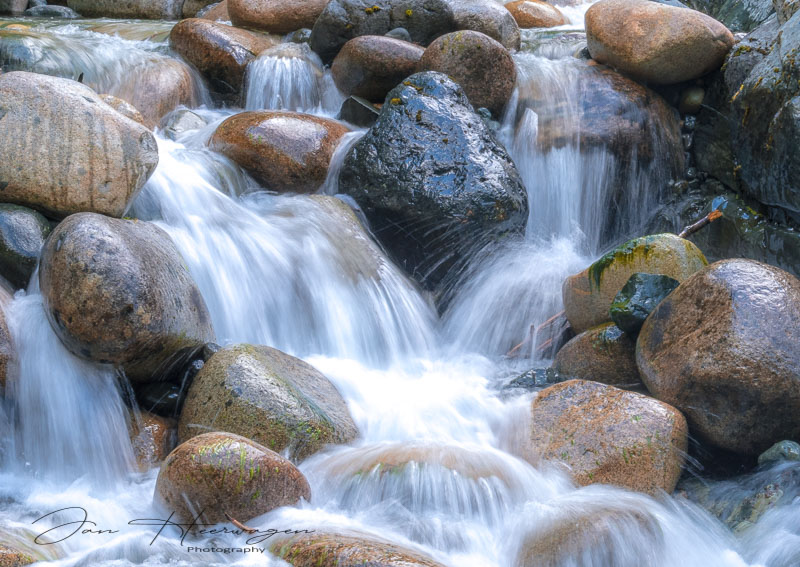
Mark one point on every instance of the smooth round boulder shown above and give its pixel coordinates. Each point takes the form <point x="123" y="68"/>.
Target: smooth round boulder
<point x="220" y="52"/>
<point x="605" y="435"/>
<point x="218" y="474"/>
<point x="22" y="235"/>
<point x="275" y="16"/>
<point x="536" y="14"/>
<point x="656" y="43"/>
<point x="285" y="151"/>
<point x="723" y="348"/>
<point x="146" y="9"/>
<point x="588" y="295"/>
<point x="481" y="65"/>
<point x="123" y="107"/>
<point x="603" y="354"/>
<point x="342" y="20"/>
<point x="488" y="17"/>
<point x="370" y="66"/>
<point x="268" y="396"/>
<point x="327" y="549"/>
<point x="118" y="292"/>
<point x="63" y="150"/>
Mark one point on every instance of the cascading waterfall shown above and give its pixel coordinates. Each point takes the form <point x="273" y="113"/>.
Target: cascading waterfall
<point x="436" y="467"/>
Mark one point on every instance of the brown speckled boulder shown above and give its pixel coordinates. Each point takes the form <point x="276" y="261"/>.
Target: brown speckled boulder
<point x="536" y="14"/>
<point x="10" y="557"/>
<point x="479" y="64"/>
<point x="486" y="16"/>
<point x="654" y="42"/>
<point x="286" y="151"/>
<point x="64" y="151"/>
<point x="370" y="66"/>
<point x="588" y="295"/>
<point x="275" y="16"/>
<point x="216" y="12"/>
<point x="602" y="434"/>
<point x="268" y="396"/>
<point x="153" y="437"/>
<point x="347" y="550"/>
<point x="724" y="348"/>
<point x="148" y="9"/>
<point x="123" y="107"/>
<point x="220" y="473"/>
<point x="603" y="354"/>
<point x="220" y="52"/>
<point x="144" y="304"/>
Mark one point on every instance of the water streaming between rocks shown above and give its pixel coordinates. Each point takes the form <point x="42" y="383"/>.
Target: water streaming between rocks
<point x="298" y="273"/>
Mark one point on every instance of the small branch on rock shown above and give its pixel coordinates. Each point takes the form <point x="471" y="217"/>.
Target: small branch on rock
<point x="240" y="525"/>
<point x="514" y="352"/>
<point x="708" y="219"/>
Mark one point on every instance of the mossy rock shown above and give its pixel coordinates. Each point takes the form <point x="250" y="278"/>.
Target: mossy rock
<point x="637" y="299"/>
<point x="268" y="396"/>
<point x="604" y="354"/>
<point x="588" y="295"/>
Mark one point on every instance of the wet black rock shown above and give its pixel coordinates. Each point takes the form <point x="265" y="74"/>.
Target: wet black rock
<point x="535" y="379"/>
<point x="637" y="298"/>
<point x="22" y="235"/>
<point x="358" y="111"/>
<point x="342" y="20"/>
<point x="432" y="179"/>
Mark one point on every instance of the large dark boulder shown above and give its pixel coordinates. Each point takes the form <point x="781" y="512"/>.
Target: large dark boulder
<point x="117" y="291"/>
<point x="432" y="178"/>
<point x="342" y="20"/>
<point x="723" y="348"/>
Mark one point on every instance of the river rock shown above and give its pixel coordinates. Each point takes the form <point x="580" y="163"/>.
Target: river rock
<point x="215" y="12"/>
<point x="780" y="451"/>
<point x="325" y="549"/>
<point x="637" y="299"/>
<point x="7" y="352"/>
<point x="604" y="354"/>
<point x="13" y="7"/>
<point x="428" y="167"/>
<point x="145" y="306"/>
<point x="65" y="151"/>
<point x="190" y="8"/>
<point x="670" y="45"/>
<point x="22" y="235"/>
<point x="52" y="12"/>
<point x="285" y="151"/>
<point x="588" y="295"/>
<point x="220" y="52"/>
<point x="602" y="434"/>
<point x="479" y="64"/>
<point x="146" y="9"/>
<point x="10" y="557"/>
<point x="153" y="437"/>
<point x="123" y="107"/>
<point x="275" y="16"/>
<point x="488" y="17"/>
<point x="370" y="66"/>
<point x="270" y="397"/>
<point x="536" y="14"/>
<point x="358" y="111"/>
<point x="342" y="20"/>
<point x="222" y="473"/>
<point x="723" y="349"/>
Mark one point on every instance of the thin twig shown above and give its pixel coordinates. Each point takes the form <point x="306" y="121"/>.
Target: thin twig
<point x="708" y="219"/>
<point x="240" y="525"/>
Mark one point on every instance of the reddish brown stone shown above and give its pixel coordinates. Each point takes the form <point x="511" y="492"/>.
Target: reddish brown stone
<point x="152" y="437"/>
<point x="286" y="151"/>
<point x="275" y="16"/>
<point x="603" y="354"/>
<point x="217" y="13"/>
<point x="536" y="14"/>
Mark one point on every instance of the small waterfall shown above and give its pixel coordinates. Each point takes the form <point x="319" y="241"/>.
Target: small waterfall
<point x="291" y="77"/>
<point x="295" y="272"/>
<point x="71" y="419"/>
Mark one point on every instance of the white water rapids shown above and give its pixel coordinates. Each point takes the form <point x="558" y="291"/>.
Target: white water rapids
<point x="300" y="274"/>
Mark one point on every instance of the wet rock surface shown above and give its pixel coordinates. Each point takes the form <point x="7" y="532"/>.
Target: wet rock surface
<point x="722" y="348"/>
<point x="22" y="235"/>
<point x="275" y="16"/>
<point x="488" y="17"/>
<point x="637" y="299"/>
<point x="536" y="14"/>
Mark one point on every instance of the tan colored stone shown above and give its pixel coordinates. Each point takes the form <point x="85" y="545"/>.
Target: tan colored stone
<point x="654" y="42"/>
<point x="536" y="14"/>
<point x="370" y="66"/>
<point x="145" y="306"/>
<point x="123" y="107"/>
<point x="723" y="348"/>
<point x="64" y="151"/>
<point x="286" y="151"/>
<point x="588" y="295"/>
<point x="153" y="437"/>
<point x="215" y="474"/>
<point x="602" y="434"/>
<point x="220" y="52"/>
<point x="479" y="64"/>
<point x="346" y="550"/>
<point x="275" y="16"/>
<point x="268" y="396"/>
<point x="603" y="354"/>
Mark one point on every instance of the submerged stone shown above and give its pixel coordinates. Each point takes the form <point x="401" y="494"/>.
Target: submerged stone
<point x="780" y="451"/>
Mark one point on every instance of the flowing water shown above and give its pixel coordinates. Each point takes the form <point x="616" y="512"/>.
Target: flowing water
<point x="436" y="467"/>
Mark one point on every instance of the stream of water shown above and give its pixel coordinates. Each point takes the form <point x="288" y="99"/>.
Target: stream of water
<point x="300" y="273"/>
